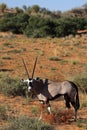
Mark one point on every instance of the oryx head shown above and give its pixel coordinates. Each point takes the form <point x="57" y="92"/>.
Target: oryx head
<point x="29" y="81"/>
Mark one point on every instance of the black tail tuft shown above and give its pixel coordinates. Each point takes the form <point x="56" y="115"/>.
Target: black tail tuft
<point x="77" y="101"/>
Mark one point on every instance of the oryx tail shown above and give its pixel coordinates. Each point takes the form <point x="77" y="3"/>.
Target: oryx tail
<point x="77" y="96"/>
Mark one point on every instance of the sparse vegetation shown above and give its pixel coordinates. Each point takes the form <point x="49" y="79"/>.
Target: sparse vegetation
<point x="35" y="110"/>
<point x="53" y="69"/>
<point x="39" y="52"/>
<point x="73" y="62"/>
<point x="26" y="123"/>
<point x="6" y="44"/>
<point x="82" y="123"/>
<point x="84" y="104"/>
<point x="50" y="66"/>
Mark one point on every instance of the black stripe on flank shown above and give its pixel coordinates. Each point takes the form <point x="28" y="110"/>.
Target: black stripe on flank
<point x="56" y="97"/>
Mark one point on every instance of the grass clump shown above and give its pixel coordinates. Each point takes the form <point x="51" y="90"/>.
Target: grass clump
<point x="82" y="123"/>
<point x="84" y="104"/>
<point x="35" y="110"/>
<point x="7" y="44"/>
<point x="54" y="58"/>
<point x="53" y="69"/>
<point x="26" y="123"/>
<point x="81" y="82"/>
<point x="1" y="63"/>
<point x="6" y="57"/>
<point x="3" y="112"/>
<point x="15" y="51"/>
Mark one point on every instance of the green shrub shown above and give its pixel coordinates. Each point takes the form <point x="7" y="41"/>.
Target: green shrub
<point x="10" y="86"/>
<point x="39" y="27"/>
<point x="42" y="24"/>
<point x="15" y="23"/>
<point x="26" y="123"/>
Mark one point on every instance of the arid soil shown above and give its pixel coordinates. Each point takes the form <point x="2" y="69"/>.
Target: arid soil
<point x="58" y="59"/>
<point x="61" y="118"/>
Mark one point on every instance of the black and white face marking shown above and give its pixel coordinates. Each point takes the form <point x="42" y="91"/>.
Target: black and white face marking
<point x="29" y="83"/>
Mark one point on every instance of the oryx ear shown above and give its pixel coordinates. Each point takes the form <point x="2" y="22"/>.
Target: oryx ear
<point x="34" y="67"/>
<point x="25" y="68"/>
<point x="37" y="78"/>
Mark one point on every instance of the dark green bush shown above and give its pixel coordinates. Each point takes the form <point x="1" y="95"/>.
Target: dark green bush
<point x="38" y="26"/>
<point x="15" y="23"/>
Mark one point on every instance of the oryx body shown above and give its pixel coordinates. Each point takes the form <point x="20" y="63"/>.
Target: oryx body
<point x="47" y="90"/>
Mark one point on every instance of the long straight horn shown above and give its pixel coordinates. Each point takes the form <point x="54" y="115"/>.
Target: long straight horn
<point x="34" y="68"/>
<point x="25" y="68"/>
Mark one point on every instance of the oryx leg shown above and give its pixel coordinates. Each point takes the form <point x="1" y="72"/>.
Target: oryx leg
<point x="67" y="101"/>
<point x="41" y="109"/>
<point x="75" y="110"/>
<point x="40" y="116"/>
<point x="48" y="107"/>
<point x="42" y="105"/>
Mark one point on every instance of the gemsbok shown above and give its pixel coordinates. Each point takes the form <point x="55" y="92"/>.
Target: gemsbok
<point x="47" y="90"/>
